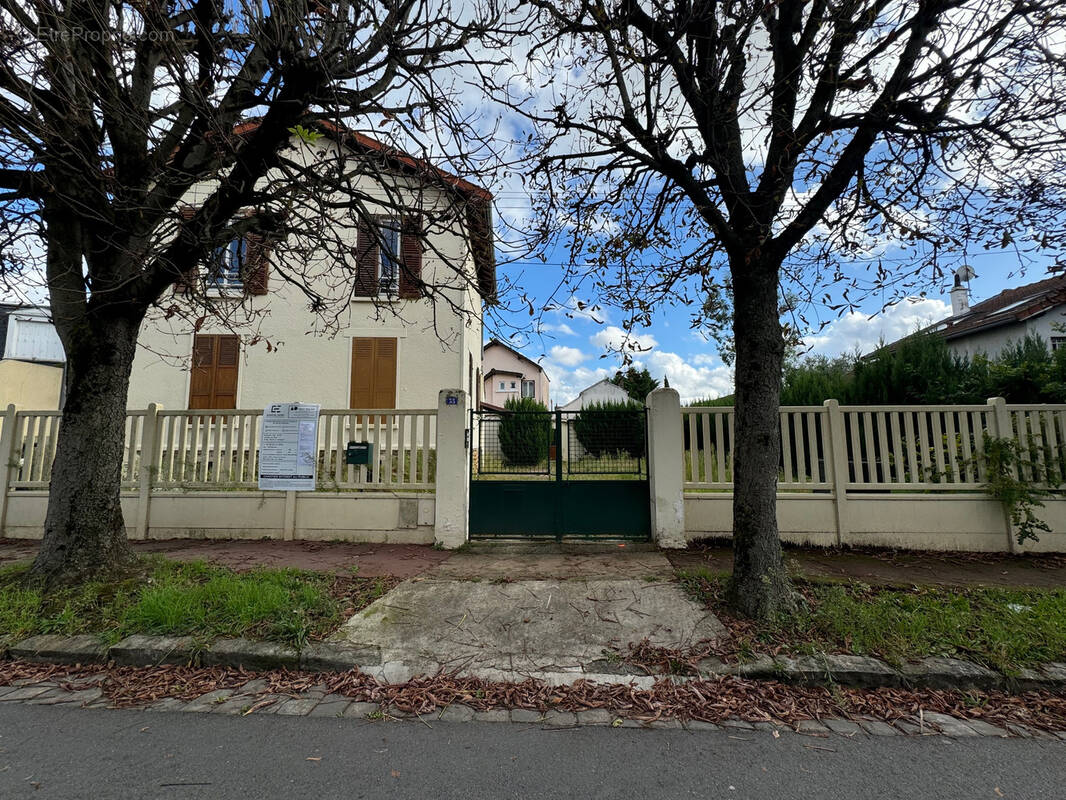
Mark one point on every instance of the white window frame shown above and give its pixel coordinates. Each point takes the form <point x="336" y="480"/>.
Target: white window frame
<point x="224" y="270"/>
<point x="389" y="244"/>
<point x="532" y="389"/>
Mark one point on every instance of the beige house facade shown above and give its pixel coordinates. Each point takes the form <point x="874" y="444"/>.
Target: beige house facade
<point x="508" y="373"/>
<point x="417" y="267"/>
<point x="31" y="359"/>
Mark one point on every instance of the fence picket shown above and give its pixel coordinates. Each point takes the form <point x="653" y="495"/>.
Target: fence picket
<point x="786" y="446"/>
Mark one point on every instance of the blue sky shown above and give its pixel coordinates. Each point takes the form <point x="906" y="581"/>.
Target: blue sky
<point x="578" y="348"/>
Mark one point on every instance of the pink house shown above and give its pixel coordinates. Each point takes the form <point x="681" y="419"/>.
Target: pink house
<point x="509" y="374"/>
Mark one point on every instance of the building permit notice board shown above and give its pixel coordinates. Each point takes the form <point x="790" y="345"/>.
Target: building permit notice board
<point x="288" y="447"/>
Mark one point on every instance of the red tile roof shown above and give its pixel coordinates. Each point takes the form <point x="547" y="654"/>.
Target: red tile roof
<point x="1007" y="307"/>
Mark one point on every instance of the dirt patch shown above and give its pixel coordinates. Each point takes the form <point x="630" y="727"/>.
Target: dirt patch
<point x="897" y="567"/>
<point x="372" y="560"/>
<point x="506" y="567"/>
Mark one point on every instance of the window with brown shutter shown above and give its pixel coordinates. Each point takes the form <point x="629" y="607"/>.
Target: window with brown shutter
<point x="388" y="257"/>
<point x="411" y="257"/>
<point x="373" y="372"/>
<point x="215" y="363"/>
<point x="242" y="265"/>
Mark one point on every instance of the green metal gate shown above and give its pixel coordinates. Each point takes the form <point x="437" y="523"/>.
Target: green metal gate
<point x="556" y="474"/>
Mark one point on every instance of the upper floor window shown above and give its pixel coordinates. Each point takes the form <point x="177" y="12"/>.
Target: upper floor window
<point x="388" y="257"/>
<point x="1057" y="342"/>
<point x="529" y="388"/>
<point x="242" y="266"/>
<point x="226" y="270"/>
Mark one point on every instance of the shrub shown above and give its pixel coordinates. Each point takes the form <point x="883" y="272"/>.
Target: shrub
<point x="607" y="428"/>
<point x="524" y="435"/>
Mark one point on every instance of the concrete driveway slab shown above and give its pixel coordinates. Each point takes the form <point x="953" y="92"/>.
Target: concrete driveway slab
<point x="526" y="625"/>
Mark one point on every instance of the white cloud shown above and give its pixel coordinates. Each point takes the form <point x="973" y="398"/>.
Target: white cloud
<point x="857" y="330"/>
<point x="567" y="384"/>
<point x="562" y="328"/>
<point x="567" y="356"/>
<point x="705" y="360"/>
<point x="614" y="338"/>
<point x="691" y="381"/>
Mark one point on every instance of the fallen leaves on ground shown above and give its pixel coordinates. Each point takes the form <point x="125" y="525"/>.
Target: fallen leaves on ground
<point x="707" y="700"/>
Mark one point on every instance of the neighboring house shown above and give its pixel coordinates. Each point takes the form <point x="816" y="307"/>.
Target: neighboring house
<point x="602" y="392"/>
<point x="378" y="359"/>
<point x="31" y="359"/>
<point x="509" y="374"/>
<point x="1036" y="309"/>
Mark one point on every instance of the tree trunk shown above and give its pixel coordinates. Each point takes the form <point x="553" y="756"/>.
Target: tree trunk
<point x="84" y="534"/>
<point x="759" y="586"/>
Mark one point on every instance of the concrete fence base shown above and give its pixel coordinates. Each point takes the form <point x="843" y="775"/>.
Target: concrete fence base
<point x="351" y="517"/>
<point x="965" y="522"/>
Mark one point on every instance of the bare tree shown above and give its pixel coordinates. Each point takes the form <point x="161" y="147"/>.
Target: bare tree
<point x="761" y="160"/>
<point x="111" y="113"/>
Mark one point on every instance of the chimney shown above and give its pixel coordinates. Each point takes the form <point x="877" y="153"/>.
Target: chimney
<point x="960" y="298"/>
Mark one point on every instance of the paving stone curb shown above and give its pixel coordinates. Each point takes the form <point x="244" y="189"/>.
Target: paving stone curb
<point x="140" y="650"/>
<point x="871" y="673"/>
<point x="818" y="670"/>
<point x="247" y="654"/>
<point x="55" y="649"/>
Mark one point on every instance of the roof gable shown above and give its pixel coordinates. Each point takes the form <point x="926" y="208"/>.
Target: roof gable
<point x="1007" y="307"/>
<point x="512" y="351"/>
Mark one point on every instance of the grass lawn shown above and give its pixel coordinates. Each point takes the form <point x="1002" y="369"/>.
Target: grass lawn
<point x="1005" y="629"/>
<point x="189" y="599"/>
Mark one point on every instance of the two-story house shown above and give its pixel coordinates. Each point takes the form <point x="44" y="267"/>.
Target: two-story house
<point x="417" y="269"/>
<point x="508" y="373"/>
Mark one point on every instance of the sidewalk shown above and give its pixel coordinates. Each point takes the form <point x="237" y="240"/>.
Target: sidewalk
<point x="549" y="561"/>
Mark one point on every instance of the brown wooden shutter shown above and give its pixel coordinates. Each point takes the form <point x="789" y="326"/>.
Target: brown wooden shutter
<point x="215" y="365"/>
<point x="385" y="374"/>
<point x="411" y="257"/>
<point x="225" y="388"/>
<point x="362" y="373"/>
<point x="366" y="261"/>
<point x="203" y="371"/>
<point x="257" y="264"/>
<point x="186" y="284"/>
<point x="373" y="372"/>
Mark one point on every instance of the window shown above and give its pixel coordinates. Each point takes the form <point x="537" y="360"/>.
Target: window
<point x="226" y="267"/>
<point x="529" y="389"/>
<point x="388" y="257"/>
<point x="1057" y="342"/>
<point x="373" y="372"/>
<point x="240" y="267"/>
<point x="215" y="361"/>
<point x="514" y="385"/>
<point x="503" y="386"/>
<point x="388" y="275"/>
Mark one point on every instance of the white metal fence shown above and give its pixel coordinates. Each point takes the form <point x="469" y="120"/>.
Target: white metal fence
<point x="887" y="448"/>
<point x="219" y="449"/>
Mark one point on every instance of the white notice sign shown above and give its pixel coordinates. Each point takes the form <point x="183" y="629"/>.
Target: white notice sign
<point x="288" y="447"/>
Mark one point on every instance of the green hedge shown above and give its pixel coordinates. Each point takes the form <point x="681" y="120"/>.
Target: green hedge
<point x="609" y="428"/>
<point x="524" y="435"/>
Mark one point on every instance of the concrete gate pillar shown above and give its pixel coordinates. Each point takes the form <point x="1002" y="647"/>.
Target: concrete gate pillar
<point x="451" y="526"/>
<point x="666" y="447"/>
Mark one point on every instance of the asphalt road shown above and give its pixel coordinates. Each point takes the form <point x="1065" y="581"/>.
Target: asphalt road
<point x="48" y="752"/>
